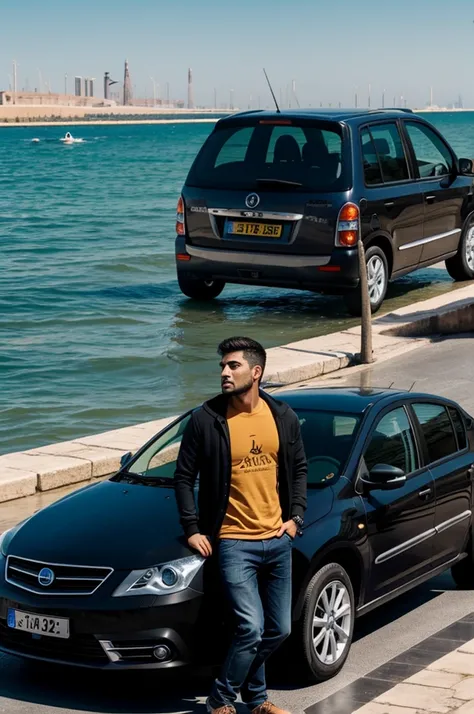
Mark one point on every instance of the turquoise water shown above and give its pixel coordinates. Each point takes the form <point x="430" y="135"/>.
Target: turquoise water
<point x="94" y="332"/>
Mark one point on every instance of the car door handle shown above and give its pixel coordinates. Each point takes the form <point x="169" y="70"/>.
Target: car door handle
<point x="430" y="199"/>
<point x="425" y="493"/>
<point x="389" y="204"/>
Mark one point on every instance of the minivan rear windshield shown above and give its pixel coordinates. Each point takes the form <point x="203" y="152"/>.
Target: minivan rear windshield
<point x="273" y="157"/>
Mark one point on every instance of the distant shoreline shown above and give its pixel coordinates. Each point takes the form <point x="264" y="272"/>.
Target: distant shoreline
<point x="104" y="122"/>
<point x="72" y="121"/>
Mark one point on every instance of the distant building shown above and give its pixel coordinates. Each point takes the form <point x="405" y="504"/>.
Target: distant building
<point x="127" y="86"/>
<point x="8" y="98"/>
<point x="78" y="86"/>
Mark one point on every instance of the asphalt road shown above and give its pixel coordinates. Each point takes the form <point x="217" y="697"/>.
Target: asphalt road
<point x="446" y="368"/>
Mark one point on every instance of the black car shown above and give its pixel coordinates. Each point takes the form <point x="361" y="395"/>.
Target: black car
<point x="104" y="577"/>
<point x="281" y="200"/>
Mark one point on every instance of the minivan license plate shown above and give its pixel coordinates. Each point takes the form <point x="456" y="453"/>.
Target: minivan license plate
<point x="264" y="230"/>
<point x="38" y="624"/>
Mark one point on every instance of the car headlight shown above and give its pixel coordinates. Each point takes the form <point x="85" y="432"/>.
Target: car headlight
<point x="3" y="538"/>
<point x="161" y="579"/>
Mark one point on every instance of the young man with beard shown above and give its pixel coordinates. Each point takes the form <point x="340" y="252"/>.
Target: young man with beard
<point x="248" y="450"/>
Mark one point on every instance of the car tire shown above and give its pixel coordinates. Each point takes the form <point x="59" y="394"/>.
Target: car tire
<point x="200" y="289"/>
<point x="317" y="659"/>
<point x="461" y="266"/>
<point x="377" y="274"/>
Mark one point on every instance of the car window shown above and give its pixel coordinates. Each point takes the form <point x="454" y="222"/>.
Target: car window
<point x="437" y="429"/>
<point x="308" y="157"/>
<point x="328" y="438"/>
<point x="159" y="459"/>
<point x="235" y="149"/>
<point x="393" y="443"/>
<point x="387" y="143"/>
<point x="433" y="157"/>
<point x="372" y="170"/>
<point x="459" y="427"/>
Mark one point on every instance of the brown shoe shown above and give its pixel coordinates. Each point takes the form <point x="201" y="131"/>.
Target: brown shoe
<point x="268" y="708"/>
<point x="224" y="709"/>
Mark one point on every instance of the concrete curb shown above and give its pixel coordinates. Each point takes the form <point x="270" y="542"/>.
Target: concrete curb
<point x="98" y="455"/>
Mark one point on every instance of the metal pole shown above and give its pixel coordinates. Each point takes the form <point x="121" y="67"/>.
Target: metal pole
<point x="366" y="356"/>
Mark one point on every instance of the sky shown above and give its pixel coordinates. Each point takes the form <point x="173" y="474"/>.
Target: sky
<point x="331" y="49"/>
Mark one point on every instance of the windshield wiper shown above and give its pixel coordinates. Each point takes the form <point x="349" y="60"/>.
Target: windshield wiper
<point x="130" y="477"/>
<point x="279" y="182"/>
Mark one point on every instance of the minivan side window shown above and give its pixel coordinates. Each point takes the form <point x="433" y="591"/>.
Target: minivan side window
<point x="437" y="429"/>
<point x="388" y="145"/>
<point x="393" y="443"/>
<point x="433" y="157"/>
<point x="372" y="170"/>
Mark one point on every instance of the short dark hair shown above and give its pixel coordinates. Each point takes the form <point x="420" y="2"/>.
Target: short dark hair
<point x="253" y="350"/>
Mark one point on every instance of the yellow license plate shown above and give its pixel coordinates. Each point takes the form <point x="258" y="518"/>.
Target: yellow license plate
<point x="262" y="230"/>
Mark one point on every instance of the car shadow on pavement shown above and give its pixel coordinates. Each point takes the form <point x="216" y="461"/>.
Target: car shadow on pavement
<point x="67" y="688"/>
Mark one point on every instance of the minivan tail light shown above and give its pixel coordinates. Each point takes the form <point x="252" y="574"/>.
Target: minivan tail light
<point x="180" y="217"/>
<point x="348" y="226"/>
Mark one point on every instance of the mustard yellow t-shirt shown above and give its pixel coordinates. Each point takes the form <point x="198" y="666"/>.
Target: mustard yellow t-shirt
<point x="254" y="510"/>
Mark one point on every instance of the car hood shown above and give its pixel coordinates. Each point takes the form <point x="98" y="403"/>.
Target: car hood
<point x="112" y="524"/>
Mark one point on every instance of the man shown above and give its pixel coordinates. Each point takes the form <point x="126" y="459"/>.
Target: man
<point x="248" y="450"/>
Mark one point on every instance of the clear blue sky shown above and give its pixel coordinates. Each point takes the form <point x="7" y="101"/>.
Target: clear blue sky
<point x="327" y="47"/>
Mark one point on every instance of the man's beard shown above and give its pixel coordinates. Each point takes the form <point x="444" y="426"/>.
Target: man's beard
<point x="237" y="391"/>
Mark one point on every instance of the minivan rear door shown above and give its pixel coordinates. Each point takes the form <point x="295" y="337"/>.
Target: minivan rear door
<point x="394" y="200"/>
<point x="443" y="191"/>
<point x="268" y="183"/>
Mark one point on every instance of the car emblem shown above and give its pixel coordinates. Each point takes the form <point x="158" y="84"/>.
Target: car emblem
<point x="252" y="200"/>
<point x="45" y="577"/>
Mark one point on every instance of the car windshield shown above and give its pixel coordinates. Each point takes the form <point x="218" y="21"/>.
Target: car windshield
<point x="328" y="437"/>
<point x="270" y="157"/>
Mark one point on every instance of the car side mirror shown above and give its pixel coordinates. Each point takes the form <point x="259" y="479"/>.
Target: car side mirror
<point x="466" y="167"/>
<point x="125" y="459"/>
<point x="385" y="478"/>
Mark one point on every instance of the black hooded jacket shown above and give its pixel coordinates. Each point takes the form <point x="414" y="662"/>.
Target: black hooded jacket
<point x="205" y="451"/>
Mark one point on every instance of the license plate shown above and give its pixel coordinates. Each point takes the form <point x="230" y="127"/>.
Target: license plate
<point x="254" y="229"/>
<point x="38" y="624"/>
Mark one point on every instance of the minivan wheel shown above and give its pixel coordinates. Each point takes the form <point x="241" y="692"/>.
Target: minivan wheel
<point x="200" y="289"/>
<point x="327" y="622"/>
<point x="377" y="278"/>
<point x="461" y="266"/>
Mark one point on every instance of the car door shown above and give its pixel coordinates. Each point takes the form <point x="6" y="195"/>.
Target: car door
<point x="394" y="199"/>
<point x="446" y="450"/>
<point x="400" y="523"/>
<point x="443" y="190"/>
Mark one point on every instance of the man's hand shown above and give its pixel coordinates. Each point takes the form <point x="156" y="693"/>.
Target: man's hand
<point x="289" y="527"/>
<point x="201" y="543"/>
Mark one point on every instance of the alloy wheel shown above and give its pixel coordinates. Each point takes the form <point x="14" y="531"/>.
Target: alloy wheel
<point x="332" y="622"/>
<point x="376" y="278"/>
<point x="469" y="248"/>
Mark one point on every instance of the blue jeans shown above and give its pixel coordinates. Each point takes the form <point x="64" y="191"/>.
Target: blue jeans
<point x="257" y="579"/>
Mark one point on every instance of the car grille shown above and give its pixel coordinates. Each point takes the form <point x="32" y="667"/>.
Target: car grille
<point x="79" y="649"/>
<point x="67" y="580"/>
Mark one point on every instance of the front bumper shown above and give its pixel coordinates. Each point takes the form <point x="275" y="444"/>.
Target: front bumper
<point x="331" y="274"/>
<point x="109" y="638"/>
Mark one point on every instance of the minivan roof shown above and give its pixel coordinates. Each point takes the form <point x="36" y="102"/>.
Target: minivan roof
<point x="354" y="115"/>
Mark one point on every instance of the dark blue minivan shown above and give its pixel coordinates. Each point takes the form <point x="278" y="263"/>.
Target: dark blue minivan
<point x="280" y="199"/>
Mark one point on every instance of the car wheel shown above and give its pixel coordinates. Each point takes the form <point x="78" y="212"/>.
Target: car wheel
<point x="461" y="266"/>
<point x="327" y="622"/>
<point x="200" y="289"/>
<point x="377" y="278"/>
